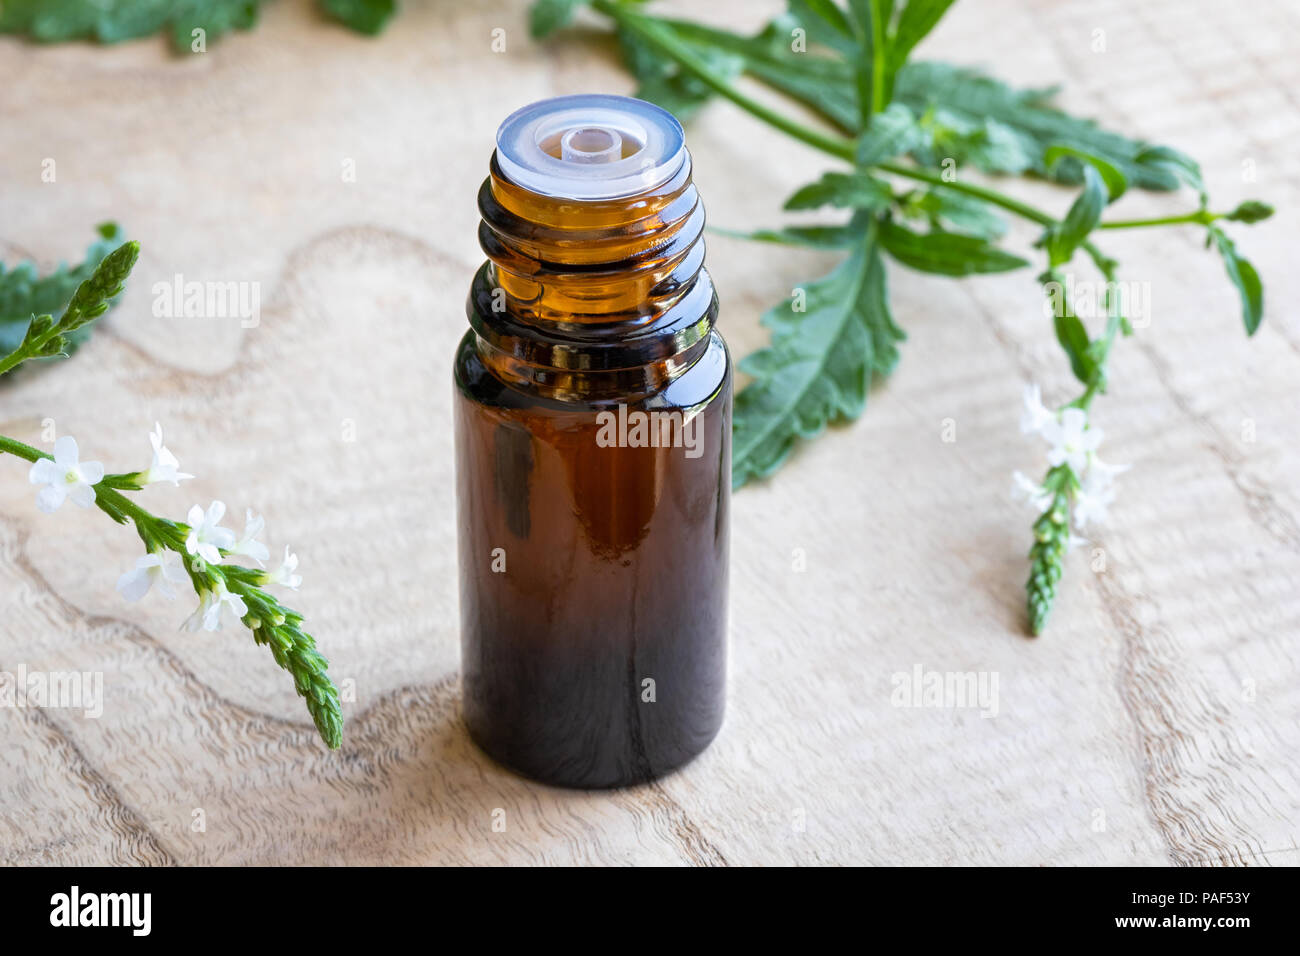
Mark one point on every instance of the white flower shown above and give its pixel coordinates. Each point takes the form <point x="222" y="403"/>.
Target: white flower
<point x="1071" y="439"/>
<point x="211" y="603"/>
<point x="1035" y="414"/>
<point x="164" y="462"/>
<point x="285" y="573"/>
<point x="153" y="568"/>
<point x="222" y="598"/>
<point x="1092" y="500"/>
<point x="253" y="525"/>
<point x="65" y="477"/>
<point x="1023" y="488"/>
<point x="1104" y="471"/>
<point x="198" y="619"/>
<point x="206" y="534"/>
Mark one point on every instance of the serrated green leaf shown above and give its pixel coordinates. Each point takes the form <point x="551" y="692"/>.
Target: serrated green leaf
<point x="945" y="253"/>
<point x="819" y="365"/>
<point x="991" y="146"/>
<point x="1028" y="115"/>
<point x="946" y="207"/>
<point x="892" y="133"/>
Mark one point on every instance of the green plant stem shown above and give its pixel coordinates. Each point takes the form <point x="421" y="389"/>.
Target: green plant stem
<point x="878" y="56"/>
<point x="107" y="499"/>
<point x="1202" y="217"/>
<point x="30" y="348"/>
<point x="1001" y="200"/>
<point x="15" y="447"/>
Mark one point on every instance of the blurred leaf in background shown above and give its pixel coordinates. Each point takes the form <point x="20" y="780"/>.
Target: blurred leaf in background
<point x="112" y="21"/>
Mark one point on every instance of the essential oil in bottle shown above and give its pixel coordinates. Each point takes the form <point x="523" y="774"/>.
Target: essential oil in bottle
<point x="593" y="446"/>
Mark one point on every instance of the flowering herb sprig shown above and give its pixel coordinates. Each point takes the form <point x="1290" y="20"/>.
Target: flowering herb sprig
<point x="198" y="549"/>
<point x="176" y="551"/>
<point x="1077" y="490"/>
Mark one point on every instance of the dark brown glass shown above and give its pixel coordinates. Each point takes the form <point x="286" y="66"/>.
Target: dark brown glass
<point x="615" y="557"/>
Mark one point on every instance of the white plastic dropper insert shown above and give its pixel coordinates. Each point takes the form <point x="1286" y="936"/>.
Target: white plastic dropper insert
<point x="590" y="147"/>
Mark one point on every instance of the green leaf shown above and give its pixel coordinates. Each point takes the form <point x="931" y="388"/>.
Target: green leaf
<point x="213" y="17"/>
<point x="547" y="16"/>
<point x="823" y="83"/>
<point x="1070" y="331"/>
<point x="810" y="237"/>
<point x="825" y="23"/>
<point x="1030" y="118"/>
<point x="855" y="190"/>
<point x="24" y="293"/>
<point x="945" y="253"/>
<point x="664" y="83"/>
<point x="819" y="365"/>
<point x="917" y="19"/>
<point x="1064" y="238"/>
<point x="112" y="21"/>
<point x="992" y="146"/>
<point x="892" y="133"/>
<point x="1178" y="166"/>
<point x="1244" y="277"/>
<point x="1116" y="182"/>
<point x="940" y="207"/>
<point x="364" y="16"/>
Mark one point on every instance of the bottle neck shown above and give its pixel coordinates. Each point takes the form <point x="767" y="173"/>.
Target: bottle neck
<point x="591" y="299"/>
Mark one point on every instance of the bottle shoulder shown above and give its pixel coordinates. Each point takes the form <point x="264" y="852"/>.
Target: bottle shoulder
<point x="707" y="379"/>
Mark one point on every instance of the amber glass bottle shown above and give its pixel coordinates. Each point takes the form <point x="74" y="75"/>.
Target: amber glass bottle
<point x="593" y="443"/>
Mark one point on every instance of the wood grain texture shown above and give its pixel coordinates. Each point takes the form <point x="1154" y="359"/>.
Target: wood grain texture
<point x="1164" y="701"/>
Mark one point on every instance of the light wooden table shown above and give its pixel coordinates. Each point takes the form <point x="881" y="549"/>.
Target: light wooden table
<point x="1157" y="722"/>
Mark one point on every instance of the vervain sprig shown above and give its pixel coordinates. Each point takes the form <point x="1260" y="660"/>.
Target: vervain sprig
<point x="175" y="551"/>
<point x="218" y="586"/>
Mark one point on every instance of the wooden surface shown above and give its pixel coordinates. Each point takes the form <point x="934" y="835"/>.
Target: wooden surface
<point x="1164" y="702"/>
